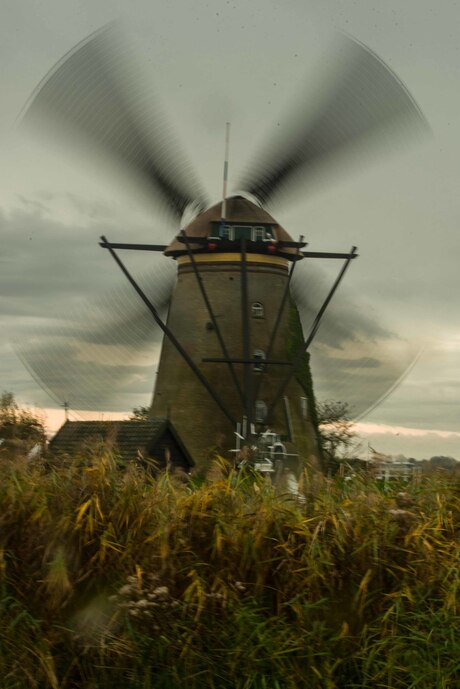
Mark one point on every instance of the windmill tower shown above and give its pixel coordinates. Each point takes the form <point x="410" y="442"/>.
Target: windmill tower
<point x="233" y="351"/>
<point x="231" y="310"/>
<point x="245" y="273"/>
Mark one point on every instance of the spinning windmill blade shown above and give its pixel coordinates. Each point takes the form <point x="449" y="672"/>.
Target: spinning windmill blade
<point x="97" y="354"/>
<point x="94" y="95"/>
<point x="356" y="356"/>
<point x="365" y="103"/>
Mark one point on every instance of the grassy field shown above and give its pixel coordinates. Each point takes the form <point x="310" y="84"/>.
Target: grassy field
<point x="110" y="579"/>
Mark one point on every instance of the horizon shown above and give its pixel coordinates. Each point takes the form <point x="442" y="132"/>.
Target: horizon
<point x="384" y="439"/>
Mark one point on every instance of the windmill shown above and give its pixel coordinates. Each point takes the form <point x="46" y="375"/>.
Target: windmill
<point x="233" y="349"/>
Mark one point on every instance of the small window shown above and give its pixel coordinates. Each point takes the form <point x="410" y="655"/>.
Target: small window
<point x="258" y="234"/>
<point x="243" y="231"/>
<point x="259" y="356"/>
<point x="261" y="411"/>
<point x="228" y="233"/>
<point x="257" y="310"/>
<point x="304" y="407"/>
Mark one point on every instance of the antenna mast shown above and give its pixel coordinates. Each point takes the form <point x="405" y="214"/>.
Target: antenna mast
<point x="224" y="187"/>
<point x="65" y="405"/>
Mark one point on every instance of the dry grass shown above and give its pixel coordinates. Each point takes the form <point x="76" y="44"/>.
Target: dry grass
<point x="112" y="579"/>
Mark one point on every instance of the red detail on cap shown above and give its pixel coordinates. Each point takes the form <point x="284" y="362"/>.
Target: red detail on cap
<point x="271" y="248"/>
<point x="212" y="246"/>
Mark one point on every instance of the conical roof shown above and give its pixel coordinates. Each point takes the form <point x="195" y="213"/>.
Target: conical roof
<point x="238" y="210"/>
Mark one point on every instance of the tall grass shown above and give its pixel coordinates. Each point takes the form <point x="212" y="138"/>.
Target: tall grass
<point x="110" y="578"/>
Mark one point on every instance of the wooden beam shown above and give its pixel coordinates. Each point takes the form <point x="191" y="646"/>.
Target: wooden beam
<point x="135" y="247"/>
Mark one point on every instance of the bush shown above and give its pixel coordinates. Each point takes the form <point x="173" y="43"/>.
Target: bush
<point x="20" y="429"/>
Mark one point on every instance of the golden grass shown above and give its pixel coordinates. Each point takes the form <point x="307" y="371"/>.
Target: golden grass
<point x="110" y="578"/>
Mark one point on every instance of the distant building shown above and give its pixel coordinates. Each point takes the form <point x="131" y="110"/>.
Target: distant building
<point x="386" y="467"/>
<point x="153" y="442"/>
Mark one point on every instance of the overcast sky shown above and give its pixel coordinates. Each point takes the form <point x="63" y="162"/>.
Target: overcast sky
<point x="211" y="62"/>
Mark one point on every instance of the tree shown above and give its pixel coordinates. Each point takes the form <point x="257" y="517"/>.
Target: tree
<point x="140" y="414"/>
<point x="443" y="462"/>
<point x="336" y="432"/>
<point x="19" y="428"/>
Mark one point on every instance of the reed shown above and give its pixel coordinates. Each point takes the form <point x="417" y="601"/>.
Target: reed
<point x="111" y="578"/>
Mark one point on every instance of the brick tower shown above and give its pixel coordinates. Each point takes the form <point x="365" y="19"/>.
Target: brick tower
<point x="243" y="266"/>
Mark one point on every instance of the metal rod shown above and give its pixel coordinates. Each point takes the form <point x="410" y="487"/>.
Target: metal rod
<point x="212" y="316"/>
<point x="225" y="180"/>
<point x="65" y="405"/>
<point x="314" y="329"/>
<point x="238" y="436"/>
<point x="136" y="247"/>
<point x="169" y="334"/>
<point x="246" y="337"/>
<point x="289" y="419"/>
<point x="326" y="254"/>
<point x="280" y="244"/>
<point x="281" y="310"/>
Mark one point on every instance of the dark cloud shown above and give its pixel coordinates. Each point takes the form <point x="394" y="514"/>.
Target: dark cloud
<point x="49" y="262"/>
<point x="346" y="318"/>
<point x="67" y="373"/>
<point x="64" y="305"/>
<point x="355" y="356"/>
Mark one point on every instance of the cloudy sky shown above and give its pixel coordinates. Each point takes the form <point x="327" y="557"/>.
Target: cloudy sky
<point x="210" y="62"/>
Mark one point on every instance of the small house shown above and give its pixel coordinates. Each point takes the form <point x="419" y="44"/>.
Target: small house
<point x="153" y="442"/>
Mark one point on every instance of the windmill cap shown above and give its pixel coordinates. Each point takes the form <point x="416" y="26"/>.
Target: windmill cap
<point x="238" y="210"/>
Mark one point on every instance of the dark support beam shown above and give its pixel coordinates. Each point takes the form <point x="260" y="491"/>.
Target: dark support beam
<point x="188" y="239"/>
<point x="265" y="362"/>
<point x="287" y="411"/>
<point x="169" y="334"/>
<point x="278" y="242"/>
<point x="246" y="336"/>
<point x="280" y="245"/>
<point x="314" y="329"/>
<point x="277" y="321"/>
<point x="135" y="247"/>
<point x="327" y="254"/>
<point x="212" y="316"/>
<point x="281" y="310"/>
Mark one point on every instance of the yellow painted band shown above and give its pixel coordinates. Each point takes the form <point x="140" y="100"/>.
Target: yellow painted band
<point x="234" y="258"/>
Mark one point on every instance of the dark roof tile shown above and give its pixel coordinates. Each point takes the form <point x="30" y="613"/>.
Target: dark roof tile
<point x="127" y="437"/>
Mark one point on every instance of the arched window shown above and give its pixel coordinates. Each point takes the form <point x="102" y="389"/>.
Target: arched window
<point x="261" y="411"/>
<point x="304" y="407"/>
<point x="257" y="310"/>
<point x="259" y="356"/>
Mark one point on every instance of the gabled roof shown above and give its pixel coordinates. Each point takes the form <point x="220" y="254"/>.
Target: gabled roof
<point x="128" y="438"/>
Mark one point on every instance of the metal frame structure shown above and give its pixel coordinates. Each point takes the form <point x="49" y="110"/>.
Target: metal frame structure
<point x="247" y="394"/>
